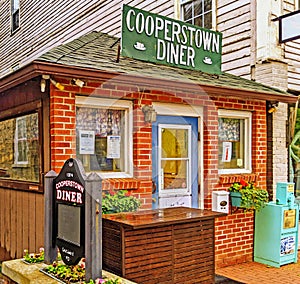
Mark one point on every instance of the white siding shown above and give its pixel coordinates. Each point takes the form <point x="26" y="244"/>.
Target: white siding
<point x="234" y="21"/>
<point x="47" y="23"/>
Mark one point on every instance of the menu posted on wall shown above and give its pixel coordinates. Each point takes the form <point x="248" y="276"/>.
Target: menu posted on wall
<point x="86" y="142"/>
<point x="113" y="147"/>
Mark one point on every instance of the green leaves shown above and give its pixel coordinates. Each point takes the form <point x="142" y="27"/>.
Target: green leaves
<point x="34" y="257"/>
<point x="252" y="196"/>
<point x="119" y="201"/>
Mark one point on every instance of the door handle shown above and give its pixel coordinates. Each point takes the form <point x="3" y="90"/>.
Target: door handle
<point x="154" y="187"/>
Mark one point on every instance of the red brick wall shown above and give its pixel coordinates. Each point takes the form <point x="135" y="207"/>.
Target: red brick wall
<point x="234" y="233"/>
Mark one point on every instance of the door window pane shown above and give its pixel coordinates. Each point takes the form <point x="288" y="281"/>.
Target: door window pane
<point x="175" y="158"/>
<point x="174" y="174"/>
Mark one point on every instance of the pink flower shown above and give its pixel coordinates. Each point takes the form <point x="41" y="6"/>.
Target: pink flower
<point x="99" y="281"/>
<point x="82" y="263"/>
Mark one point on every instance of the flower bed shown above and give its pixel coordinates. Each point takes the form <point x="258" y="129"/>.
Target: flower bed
<point x="74" y="274"/>
<point x="30" y="258"/>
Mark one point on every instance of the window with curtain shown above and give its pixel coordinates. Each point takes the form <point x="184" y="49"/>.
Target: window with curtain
<point x="103" y="131"/>
<point x="234" y="141"/>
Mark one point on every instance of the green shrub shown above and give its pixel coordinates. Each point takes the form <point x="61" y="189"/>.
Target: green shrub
<point x="119" y="201"/>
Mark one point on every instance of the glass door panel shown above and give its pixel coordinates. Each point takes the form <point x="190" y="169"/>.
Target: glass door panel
<point x="174" y="158"/>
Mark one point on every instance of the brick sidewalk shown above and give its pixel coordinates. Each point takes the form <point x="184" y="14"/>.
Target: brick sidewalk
<point x="254" y="273"/>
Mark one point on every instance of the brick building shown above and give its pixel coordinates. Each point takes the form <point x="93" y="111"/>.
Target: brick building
<point x="46" y="46"/>
<point x="189" y="106"/>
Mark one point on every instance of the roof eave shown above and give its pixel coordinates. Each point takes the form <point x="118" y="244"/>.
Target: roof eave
<point x="37" y="68"/>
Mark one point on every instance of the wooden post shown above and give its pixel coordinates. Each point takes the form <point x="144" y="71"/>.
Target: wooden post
<point x="50" y="249"/>
<point x="93" y="227"/>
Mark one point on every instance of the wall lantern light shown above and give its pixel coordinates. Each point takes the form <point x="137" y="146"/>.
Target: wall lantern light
<point x="272" y="107"/>
<point x="149" y="113"/>
<point x="57" y="84"/>
<point x="78" y="82"/>
<point x="43" y="82"/>
<point x="43" y="85"/>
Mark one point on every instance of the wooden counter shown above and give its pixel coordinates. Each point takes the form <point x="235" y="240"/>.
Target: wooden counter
<point x="172" y="245"/>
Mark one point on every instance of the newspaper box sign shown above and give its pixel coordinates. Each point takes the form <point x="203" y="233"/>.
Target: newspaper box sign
<point x="69" y="210"/>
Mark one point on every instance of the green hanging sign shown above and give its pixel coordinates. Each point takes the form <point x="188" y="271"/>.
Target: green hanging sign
<point x="153" y="38"/>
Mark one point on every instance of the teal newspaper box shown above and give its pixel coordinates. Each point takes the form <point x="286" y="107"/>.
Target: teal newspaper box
<point x="276" y="229"/>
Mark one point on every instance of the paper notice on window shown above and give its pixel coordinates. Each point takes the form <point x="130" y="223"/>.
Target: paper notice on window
<point x="86" y="142"/>
<point x="227" y="152"/>
<point x="113" y="147"/>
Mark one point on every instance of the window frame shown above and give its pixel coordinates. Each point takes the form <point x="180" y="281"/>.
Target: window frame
<point x="247" y="116"/>
<point x="18" y="139"/>
<point x="127" y="106"/>
<point x="15" y="14"/>
<point x="31" y="186"/>
<point x="213" y="12"/>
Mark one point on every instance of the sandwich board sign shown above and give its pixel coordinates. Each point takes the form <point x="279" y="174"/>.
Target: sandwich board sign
<point x="69" y="212"/>
<point x="158" y="39"/>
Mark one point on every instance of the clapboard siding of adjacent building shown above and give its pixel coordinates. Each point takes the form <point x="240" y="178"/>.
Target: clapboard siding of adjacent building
<point x="110" y="19"/>
<point x="292" y="54"/>
<point x="234" y="21"/>
<point x="48" y="24"/>
<point x="45" y="24"/>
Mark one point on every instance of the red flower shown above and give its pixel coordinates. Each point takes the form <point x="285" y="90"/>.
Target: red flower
<point x="243" y="183"/>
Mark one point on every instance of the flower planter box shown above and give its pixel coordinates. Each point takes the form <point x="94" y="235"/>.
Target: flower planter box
<point x="246" y="195"/>
<point x="236" y="199"/>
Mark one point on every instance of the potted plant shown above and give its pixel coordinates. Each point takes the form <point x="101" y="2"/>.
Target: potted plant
<point x="247" y="195"/>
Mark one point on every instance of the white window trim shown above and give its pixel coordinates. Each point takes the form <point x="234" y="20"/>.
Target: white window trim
<point x="248" y="142"/>
<point x="17" y="140"/>
<point x="178" y="11"/>
<point x="128" y="133"/>
<point x="15" y="8"/>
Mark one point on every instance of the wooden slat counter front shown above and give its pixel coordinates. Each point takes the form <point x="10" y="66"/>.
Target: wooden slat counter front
<point x="173" y="245"/>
